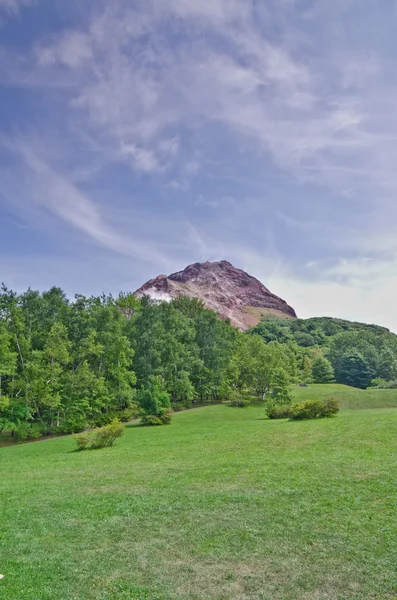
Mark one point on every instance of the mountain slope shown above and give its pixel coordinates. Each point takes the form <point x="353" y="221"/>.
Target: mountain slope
<point x="229" y="291"/>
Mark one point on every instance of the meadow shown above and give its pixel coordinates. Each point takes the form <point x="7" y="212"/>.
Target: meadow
<point x="222" y="504"/>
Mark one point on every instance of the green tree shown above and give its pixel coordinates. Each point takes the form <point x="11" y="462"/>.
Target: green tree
<point x="359" y="348"/>
<point x="183" y="389"/>
<point x="307" y="370"/>
<point x="387" y="364"/>
<point x="322" y="370"/>
<point x="354" y="370"/>
<point x="280" y="387"/>
<point x="154" y="399"/>
<point x="8" y="358"/>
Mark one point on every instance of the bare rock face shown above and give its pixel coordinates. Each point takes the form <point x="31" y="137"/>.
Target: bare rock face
<point x="230" y="292"/>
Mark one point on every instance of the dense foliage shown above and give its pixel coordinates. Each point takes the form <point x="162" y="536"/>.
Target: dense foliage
<point x="68" y="365"/>
<point x="329" y="349"/>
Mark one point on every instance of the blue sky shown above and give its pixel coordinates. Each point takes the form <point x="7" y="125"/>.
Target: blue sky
<point x="138" y="136"/>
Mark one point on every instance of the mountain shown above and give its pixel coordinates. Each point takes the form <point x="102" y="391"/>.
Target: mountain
<point x="229" y="291"/>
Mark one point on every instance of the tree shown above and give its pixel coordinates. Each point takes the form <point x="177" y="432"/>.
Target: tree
<point x="304" y="339"/>
<point x="46" y="369"/>
<point x="280" y="387"/>
<point x="184" y="391"/>
<point x="360" y="350"/>
<point x="354" y="370"/>
<point x="387" y="364"/>
<point x="8" y="358"/>
<point x="307" y="372"/>
<point x="154" y="399"/>
<point x="322" y="370"/>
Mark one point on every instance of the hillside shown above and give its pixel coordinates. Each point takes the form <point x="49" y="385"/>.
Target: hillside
<point x="317" y="331"/>
<point x="355" y="354"/>
<point x="230" y="292"/>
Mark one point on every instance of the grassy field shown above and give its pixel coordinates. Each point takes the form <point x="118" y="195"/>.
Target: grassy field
<point x="221" y="505"/>
<point x="349" y="397"/>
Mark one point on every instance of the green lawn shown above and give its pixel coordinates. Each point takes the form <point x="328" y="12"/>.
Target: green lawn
<point x="220" y="505"/>
<point x="349" y="397"/>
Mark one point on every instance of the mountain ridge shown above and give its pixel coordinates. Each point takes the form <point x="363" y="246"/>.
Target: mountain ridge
<point x="229" y="291"/>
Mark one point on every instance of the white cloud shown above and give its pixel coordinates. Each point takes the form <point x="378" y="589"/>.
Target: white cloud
<point x="360" y="299"/>
<point x="131" y="90"/>
<point x="147" y="86"/>
<point x="218" y="12"/>
<point x="72" y="49"/>
<point x="54" y="193"/>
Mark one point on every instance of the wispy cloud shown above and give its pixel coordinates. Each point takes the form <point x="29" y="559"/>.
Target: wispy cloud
<point x="48" y="190"/>
<point x="71" y="49"/>
<point x="195" y="101"/>
<point x="137" y="91"/>
<point x="13" y="6"/>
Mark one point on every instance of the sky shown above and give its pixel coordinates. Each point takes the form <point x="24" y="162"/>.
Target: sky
<point x="139" y="136"/>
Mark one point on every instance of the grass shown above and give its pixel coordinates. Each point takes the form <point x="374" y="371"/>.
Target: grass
<point x="221" y="505"/>
<point x="349" y="397"/>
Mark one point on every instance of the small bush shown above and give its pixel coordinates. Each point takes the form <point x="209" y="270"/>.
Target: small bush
<point x="331" y="407"/>
<point x="104" y="437"/>
<point x="279" y="411"/>
<point x="237" y="399"/>
<point x="163" y="418"/>
<point x="240" y="403"/>
<point x="382" y="384"/>
<point x="151" y="420"/>
<point x="314" y="409"/>
<point x="82" y="440"/>
<point x="166" y="417"/>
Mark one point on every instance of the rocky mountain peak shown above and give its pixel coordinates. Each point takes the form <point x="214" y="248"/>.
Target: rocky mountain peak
<point x="231" y="292"/>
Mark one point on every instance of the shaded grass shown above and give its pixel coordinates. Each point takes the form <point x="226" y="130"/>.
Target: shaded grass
<point x="220" y="505"/>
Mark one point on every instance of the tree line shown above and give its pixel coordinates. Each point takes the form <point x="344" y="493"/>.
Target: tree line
<point x="68" y="365"/>
<point x="347" y="352"/>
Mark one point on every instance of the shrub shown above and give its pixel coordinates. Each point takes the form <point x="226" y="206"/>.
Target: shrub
<point x="240" y="402"/>
<point x="154" y="398"/>
<point x="101" y="420"/>
<point x="150" y="420"/>
<point x="27" y="431"/>
<point x="306" y="410"/>
<point x="314" y="409"/>
<point x="331" y="407"/>
<point x="278" y="411"/>
<point x="104" y="437"/>
<point x="82" y="440"/>
<point x="128" y="414"/>
<point x="385" y="385"/>
<point x="237" y="399"/>
<point x="166" y="417"/>
<point x="163" y="418"/>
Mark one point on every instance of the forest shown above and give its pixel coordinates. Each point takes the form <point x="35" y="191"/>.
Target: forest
<point x="67" y="365"/>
